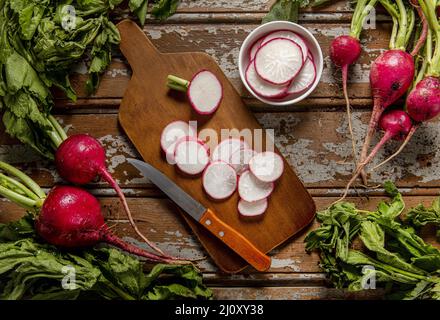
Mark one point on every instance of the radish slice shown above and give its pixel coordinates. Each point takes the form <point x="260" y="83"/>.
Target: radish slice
<point x="287" y="34"/>
<point x="191" y="155"/>
<point x="219" y="180"/>
<point x="279" y="60"/>
<point x="304" y="79"/>
<point x="205" y="92"/>
<point x="171" y="134"/>
<point x="267" y="166"/>
<point x="253" y="50"/>
<point x="252" y="209"/>
<point x="261" y="87"/>
<point x="240" y="160"/>
<point x="226" y="148"/>
<point x="310" y="56"/>
<point x="251" y="189"/>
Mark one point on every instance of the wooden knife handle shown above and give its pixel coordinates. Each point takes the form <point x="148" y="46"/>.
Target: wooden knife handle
<point x="236" y="241"/>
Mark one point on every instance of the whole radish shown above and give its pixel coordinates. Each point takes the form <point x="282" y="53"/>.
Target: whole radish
<point x="80" y="159"/>
<point x="396" y="124"/>
<point x="346" y="50"/>
<point x="391" y="74"/>
<point x="71" y="218"/>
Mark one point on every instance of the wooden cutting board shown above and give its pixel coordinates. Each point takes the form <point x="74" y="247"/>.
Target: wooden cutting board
<point x="148" y="106"/>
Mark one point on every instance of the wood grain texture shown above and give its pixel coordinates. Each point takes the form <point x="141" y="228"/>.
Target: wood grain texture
<point x="148" y="107"/>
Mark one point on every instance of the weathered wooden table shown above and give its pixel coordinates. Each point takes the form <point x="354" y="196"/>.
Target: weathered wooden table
<point x="312" y="135"/>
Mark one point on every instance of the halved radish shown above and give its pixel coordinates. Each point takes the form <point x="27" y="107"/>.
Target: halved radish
<point x="219" y="180"/>
<point x="261" y="87"/>
<point x="171" y="134"/>
<point x="254" y="48"/>
<point x="240" y="160"/>
<point x="287" y="34"/>
<point x="205" y="92"/>
<point x="252" y="209"/>
<point x="251" y="189"/>
<point x="279" y="60"/>
<point x="191" y="155"/>
<point x="267" y="166"/>
<point x="304" y="79"/>
<point x="226" y="148"/>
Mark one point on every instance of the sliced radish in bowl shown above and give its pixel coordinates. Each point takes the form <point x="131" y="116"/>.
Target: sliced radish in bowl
<point x="267" y="166"/>
<point x="279" y="60"/>
<point x="205" y="92"/>
<point x="252" y="209"/>
<point x="304" y="79"/>
<point x="254" y="48"/>
<point x="191" y="155"/>
<point x="287" y="34"/>
<point x="240" y="160"/>
<point x="226" y="148"/>
<point x="219" y="180"/>
<point x="262" y="87"/>
<point x="251" y="189"/>
<point x="171" y="134"/>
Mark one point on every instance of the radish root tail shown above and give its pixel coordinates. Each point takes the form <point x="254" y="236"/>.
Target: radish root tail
<point x="347" y="101"/>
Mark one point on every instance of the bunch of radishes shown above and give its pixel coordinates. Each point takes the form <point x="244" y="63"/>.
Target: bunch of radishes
<point x="393" y="73"/>
<point x="231" y="165"/>
<point x="280" y="66"/>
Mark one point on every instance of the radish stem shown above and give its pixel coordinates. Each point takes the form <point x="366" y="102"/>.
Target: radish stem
<point x="24" y="178"/>
<point x="177" y="83"/>
<point x="16" y="186"/>
<point x="57" y="127"/>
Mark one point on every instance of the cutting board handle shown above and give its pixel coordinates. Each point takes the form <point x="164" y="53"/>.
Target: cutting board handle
<point x="136" y="47"/>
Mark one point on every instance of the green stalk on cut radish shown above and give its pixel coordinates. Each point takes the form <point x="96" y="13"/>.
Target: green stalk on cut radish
<point x="68" y="217"/>
<point x="204" y="91"/>
<point x="345" y="51"/>
<point x="392" y="73"/>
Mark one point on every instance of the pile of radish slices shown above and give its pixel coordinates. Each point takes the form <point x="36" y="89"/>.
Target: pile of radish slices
<point x="280" y="65"/>
<point x="231" y="166"/>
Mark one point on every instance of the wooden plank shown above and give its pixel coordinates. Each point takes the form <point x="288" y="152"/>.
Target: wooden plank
<point x="316" y="145"/>
<point x="223" y="41"/>
<point x="159" y="221"/>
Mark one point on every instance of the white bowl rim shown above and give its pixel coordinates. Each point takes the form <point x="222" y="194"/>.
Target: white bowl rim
<point x="288" y="26"/>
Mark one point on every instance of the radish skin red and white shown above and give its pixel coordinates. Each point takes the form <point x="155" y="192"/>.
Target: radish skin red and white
<point x="304" y="79"/>
<point x="204" y="91"/>
<point x="279" y="60"/>
<point x="262" y="87"/>
<point x="267" y="166"/>
<point x="252" y="209"/>
<point x="219" y="180"/>
<point x="191" y="155"/>
<point x="287" y="34"/>
<point x="254" y="48"/>
<point x="171" y="134"/>
<point x="251" y="189"/>
<point x="240" y="160"/>
<point x="224" y="150"/>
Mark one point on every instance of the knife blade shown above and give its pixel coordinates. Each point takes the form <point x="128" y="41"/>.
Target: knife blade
<point x="205" y="216"/>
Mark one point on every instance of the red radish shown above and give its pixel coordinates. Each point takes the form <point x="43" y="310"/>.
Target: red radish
<point x="204" y="91"/>
<point x="71" y="218"/>
<point x="304" y="79"/>
<point x="423" y="102"/>
<point x="171" y="134"/>
<point x="396" y="125"/>
<point x="80" y="159"/>
<point x="240" y="160"/>
<point x="219" y="180"/>
<point x="267" y="166"/>
<point x="261" y="87"/>
<point x="252" y="189"/>
<point x="391" y="76"/>
<point x="287" y="34"/>
<point x="279" y="60"/>
<point x="191" y="155"/>
<point x="226" y="148"/>
<point x="252" y="209"/>
<point x="254" y="48"/>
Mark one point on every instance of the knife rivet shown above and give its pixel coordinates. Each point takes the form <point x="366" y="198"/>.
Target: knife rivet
<point x="208" y="222"/>
<point x="221" y="234"/>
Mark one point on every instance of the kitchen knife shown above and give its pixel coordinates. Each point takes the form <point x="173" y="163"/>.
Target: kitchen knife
<point x="205" y="216"/>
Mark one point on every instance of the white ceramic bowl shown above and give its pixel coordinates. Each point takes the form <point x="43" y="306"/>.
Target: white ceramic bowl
<point x="312" y="43"/>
